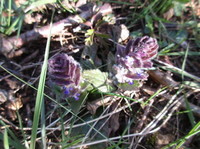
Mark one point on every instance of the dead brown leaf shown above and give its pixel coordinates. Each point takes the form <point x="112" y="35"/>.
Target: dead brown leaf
<point x="15" y="104"/>
<point x="3" y="96"/>
<point x="162" y="78"/>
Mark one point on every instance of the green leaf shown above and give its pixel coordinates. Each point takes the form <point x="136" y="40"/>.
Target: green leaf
<point x="179" y="36"/>
<point x="178" y="8"/>
<point x="96" y="131"/>
<point x="129" y="87"/>
<point x="149" y="23"/>
<point x="110" y="61"/>
<point x="88" y="56"/>
<point x="89" y="32"/>
<point x="75" y="105"/>
<point x="136" y="34"/>
<point x="97" y="79"/>
<point x="102" y="35"/>
<point x="90" y="36"/>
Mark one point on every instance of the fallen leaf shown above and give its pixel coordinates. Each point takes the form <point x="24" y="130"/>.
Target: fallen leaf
<point x="3" y="96"/>
<point x="15" y="104"/>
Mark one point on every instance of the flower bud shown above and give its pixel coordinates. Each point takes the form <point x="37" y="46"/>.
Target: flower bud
<point x="143" y="47"/>
<point x="64" y="71"/>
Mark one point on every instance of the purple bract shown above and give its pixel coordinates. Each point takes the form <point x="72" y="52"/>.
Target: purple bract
<point x="134" y="58"/>
<point x="64" y="71"/>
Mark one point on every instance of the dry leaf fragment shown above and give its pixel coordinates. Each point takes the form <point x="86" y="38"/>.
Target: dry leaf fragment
<point x="163" y="139"/>
<point x="15" y="104"/>
<point x="169" y="14"/>
<point x="124" y="34"/>
<point x="3" y="96"/>
<point x="163" y="78"/>
<point x="114" y="119"/>
<point x="12" y="114"/>
<point x="13" y="84"/>
<point x="94" y="105"/>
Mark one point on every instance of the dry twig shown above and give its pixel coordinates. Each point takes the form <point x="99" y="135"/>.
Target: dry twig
<point x="8" y="46"/>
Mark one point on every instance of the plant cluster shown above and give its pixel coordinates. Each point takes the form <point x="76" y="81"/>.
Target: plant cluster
<point x="131" y="63"/>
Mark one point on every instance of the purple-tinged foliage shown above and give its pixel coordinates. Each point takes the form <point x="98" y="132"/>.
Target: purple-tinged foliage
<point x="64" y="71"/>
<point x="134" y="58"/>
<point x="143" y="47"/>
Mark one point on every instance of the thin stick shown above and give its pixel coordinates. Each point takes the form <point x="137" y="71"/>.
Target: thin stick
<point x="9" y="46"/>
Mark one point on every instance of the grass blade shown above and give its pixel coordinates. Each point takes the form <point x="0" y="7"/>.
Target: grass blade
<point x="40" y="93"/>
<point x="21" y="128"/>
<point x="5" y="139"/>
<point x="184" y="62"/>
<point x="13" y="140"/>
<point x="191" y="133"/>
<point x="43" y="130"/>
<point x="194" y="131"/>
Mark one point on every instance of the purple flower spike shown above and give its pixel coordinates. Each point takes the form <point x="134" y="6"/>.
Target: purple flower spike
<point x="76" y="97"/>
<point x="133" y="58"/>
<point x="143" y="47"/>
<point x="72" y="92"/>
<point x="64" y="71"/>
<point x="130" y="83"/>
